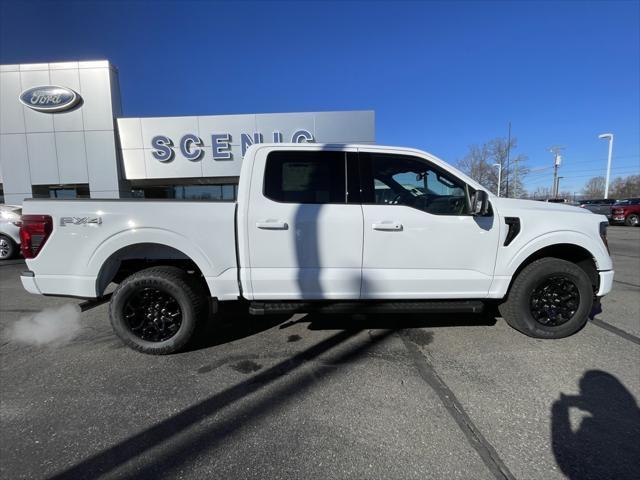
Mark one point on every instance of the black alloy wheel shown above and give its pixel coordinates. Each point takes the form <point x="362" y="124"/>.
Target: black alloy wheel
<point x="555" y="300"/>
<point x="152" y="314"/>
<point x="549" y="298"/>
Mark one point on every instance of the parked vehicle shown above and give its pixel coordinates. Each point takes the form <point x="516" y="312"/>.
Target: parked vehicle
<point x="9" y="231"/>
<point x="312" y="231"/>
<point x="601" y="206"/>
<point x="627" y="212"/>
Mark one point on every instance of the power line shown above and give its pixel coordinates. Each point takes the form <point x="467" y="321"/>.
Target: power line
<point x="569" y="172"/>
<point x="569" y="177"/>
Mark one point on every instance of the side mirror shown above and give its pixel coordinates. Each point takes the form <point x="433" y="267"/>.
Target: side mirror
<point x="480" y="203"/>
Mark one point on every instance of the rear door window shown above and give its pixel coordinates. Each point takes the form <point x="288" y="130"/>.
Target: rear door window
<point x="306" y="177"/>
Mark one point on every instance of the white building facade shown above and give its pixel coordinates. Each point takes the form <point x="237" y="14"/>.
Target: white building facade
<point x="62" y="135"/>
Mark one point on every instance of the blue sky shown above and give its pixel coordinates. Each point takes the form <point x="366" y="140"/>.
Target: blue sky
<point x="440" y="75"/>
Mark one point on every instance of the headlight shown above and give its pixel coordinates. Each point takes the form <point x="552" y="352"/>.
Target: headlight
<point x="603" y="234"/>
<point x="12" y="217"/>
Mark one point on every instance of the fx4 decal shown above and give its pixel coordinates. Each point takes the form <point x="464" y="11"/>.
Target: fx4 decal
<point x="64" y="221"/>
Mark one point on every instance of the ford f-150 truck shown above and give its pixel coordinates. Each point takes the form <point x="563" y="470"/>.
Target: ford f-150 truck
<point x="322" y="228"/>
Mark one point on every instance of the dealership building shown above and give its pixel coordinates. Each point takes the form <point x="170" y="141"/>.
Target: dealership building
<point x="62" y="135"/>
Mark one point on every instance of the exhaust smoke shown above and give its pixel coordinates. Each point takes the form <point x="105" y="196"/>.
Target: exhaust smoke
<point x="52" y="326"/>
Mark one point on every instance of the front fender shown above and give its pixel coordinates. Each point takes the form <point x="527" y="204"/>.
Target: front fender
<point x="594" y="246"/>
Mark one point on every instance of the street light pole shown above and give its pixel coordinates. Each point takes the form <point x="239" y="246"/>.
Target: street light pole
<point x="558" y="186"/>
<point x="508" y="161"/>
<point x="606" y="185"/>
<point x="499" y="165"/>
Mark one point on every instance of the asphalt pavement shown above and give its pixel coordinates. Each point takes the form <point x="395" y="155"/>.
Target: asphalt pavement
<point x="317" y="397"/>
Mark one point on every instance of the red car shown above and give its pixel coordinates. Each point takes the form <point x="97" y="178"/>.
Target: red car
<point x="627" y="212"/>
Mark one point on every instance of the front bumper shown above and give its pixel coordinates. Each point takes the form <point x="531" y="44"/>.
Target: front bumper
<point x="28" y="280"/>
<point x="606" y="282"/>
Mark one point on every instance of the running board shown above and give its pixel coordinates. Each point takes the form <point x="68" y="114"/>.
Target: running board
<point x="425" y="306"/>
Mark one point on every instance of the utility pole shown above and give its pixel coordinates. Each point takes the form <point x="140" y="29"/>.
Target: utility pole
<point x="557" y="159"/>
<point x="508" y="157"/>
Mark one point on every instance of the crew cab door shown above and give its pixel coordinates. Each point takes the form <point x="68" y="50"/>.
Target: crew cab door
<point x="304" y="238"/>
<point x="419" y="239"/>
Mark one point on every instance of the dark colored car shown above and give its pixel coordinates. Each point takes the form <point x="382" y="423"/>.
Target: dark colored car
<point x="627" y="212"/>
<point x="601" y="206"/>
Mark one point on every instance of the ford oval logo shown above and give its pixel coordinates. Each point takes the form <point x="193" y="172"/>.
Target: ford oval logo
<point x="49" y="98"/>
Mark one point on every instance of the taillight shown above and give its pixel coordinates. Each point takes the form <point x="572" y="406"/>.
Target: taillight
<point x="34" y="232"/>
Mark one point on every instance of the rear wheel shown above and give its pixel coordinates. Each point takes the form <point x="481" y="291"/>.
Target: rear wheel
<point x="7" y="248"/>
<point x="550" y="298"/>
<point x="156" y="310"/>
<point x="632" y="220"/>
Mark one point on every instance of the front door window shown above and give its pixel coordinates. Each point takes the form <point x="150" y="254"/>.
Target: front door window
<point x="404" y="180"/>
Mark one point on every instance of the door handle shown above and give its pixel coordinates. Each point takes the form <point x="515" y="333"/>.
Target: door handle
<point x="272" y="225"/>
<point x="388" y="226"/>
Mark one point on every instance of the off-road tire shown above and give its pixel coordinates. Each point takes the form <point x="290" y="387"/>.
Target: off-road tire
<point x="516" y="309"/>
<point x="632" y="220"/>
<point x="184" y="288"/>
<point x="9" y="248"/>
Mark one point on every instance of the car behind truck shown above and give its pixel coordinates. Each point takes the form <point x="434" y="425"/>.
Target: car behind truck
<point x="322" y="228"/>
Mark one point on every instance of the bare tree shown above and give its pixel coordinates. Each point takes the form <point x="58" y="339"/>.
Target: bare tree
<point x="567" y="195"/>
<point x="479" y="164"/>
<point x="625" y="187"/>
<point x="594" y="188"/>
<point x="541" y="193"/>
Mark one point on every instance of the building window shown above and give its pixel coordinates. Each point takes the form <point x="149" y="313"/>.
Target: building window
<point x="209" y="192"/>
<point x="61" y="192"/>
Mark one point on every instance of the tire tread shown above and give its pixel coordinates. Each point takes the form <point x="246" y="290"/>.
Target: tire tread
<point x="181" y="279"/>
<point x="511" y="309"/>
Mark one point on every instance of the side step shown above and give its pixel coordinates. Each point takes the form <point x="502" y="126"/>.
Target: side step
<point x="424" y="306"/>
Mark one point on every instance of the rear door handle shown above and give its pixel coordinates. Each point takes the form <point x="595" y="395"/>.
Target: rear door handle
<point x="388" y="226"/>
<point x="272" y="225"/>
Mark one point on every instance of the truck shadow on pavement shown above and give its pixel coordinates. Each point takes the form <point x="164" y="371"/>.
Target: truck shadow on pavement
<point x="606" y="444"/>
<point x="235" y="324"/>
<point x="396" y="322"/>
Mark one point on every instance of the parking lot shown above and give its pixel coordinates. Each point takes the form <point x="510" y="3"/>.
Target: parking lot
<point x="329" y="397"/>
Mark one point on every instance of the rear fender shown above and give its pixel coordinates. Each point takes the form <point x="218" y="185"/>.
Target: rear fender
<point x="149" y="235"/>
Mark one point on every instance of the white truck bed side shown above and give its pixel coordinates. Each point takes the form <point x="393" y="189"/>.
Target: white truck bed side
<point x="72" y="257"/>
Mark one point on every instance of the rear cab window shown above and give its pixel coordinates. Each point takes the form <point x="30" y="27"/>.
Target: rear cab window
<point x="311" y="177"/>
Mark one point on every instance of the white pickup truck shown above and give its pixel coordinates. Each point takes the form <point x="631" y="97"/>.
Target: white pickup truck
<point x="322" y="228"/>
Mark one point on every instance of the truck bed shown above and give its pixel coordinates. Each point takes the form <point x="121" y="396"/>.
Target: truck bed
<point x="88" y="233"/>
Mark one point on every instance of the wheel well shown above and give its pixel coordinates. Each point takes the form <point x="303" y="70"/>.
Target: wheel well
<point x="134" y="258"/>
<point x="565" y="251"/>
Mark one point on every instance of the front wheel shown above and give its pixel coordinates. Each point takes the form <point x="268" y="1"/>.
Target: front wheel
<point x="550" y="298"/>
<point x="632" y="220"/>
<point x="156" y="310"/>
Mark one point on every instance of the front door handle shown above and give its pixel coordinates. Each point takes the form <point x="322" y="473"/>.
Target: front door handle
<point x="388" y="226"/>
<point x="272" y="225"/>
